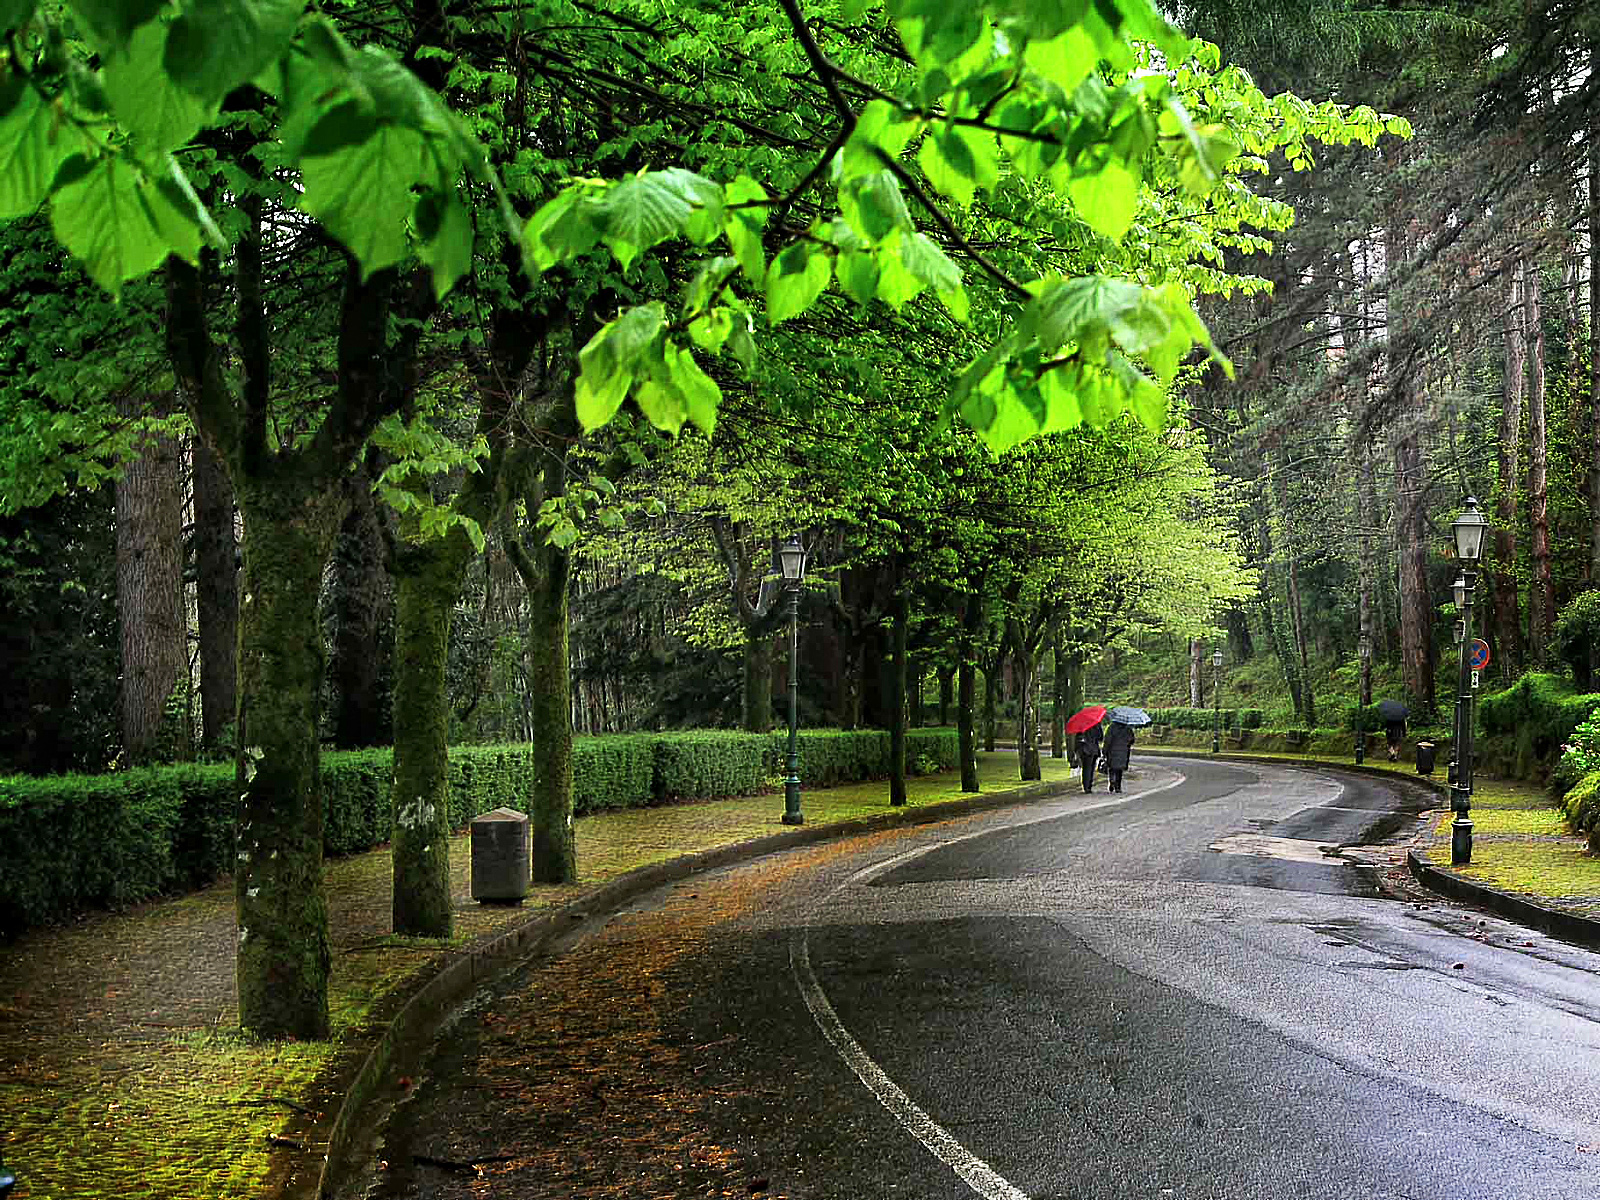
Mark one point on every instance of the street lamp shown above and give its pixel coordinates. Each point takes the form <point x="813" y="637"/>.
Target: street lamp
<point x="1468" y="530"/>
<point x="1364" y="651"/>
<point x="792" y="558"/>
<point x="1216" y="701"/>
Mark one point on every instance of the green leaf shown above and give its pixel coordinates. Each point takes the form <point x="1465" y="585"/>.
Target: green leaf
<point x="700" y="393"/>
<point x="32" y="149"/>
<point x="561" y="229"/>
<point x="660" y="404"/>
<point x="362" y="194"/>
<point x="928" y="263"/>
<point x="795" y="279"/>
<point x="948" y="164"/>
<point x="142" y="96"/>
<point x="1065" y="61"/>
<point x="1107" y="199"/>
<point x="119" y="225"/>
<point x="647" y="209"/>
<point x="444" y="231"/>
<point x="742" y="345"/>
<point x="897" y="286"/>
<point x="881" y="127"/>
<point x="608" y="363"/>
<point x="218" y="44"/>
<point x="858" y="276"/>
<point x="112" y="22"/>
<point x="874" y="206"/>
<point x="743" y="226"/>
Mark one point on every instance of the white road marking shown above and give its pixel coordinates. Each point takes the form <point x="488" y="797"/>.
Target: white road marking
<point x="977" y="1174"/>
<point x="1259" y="845"/>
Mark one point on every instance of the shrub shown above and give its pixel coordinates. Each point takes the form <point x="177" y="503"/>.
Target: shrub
<point x="1543" y="708"/>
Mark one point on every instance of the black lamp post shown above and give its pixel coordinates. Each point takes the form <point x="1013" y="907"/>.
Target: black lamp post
<point x="1468" y="529"/>
<point x="792" y="558"/>
<point x="1216" y="701"/>
<point x="1364" y="652"/>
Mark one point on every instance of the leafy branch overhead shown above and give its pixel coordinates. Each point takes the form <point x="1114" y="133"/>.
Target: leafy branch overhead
<point x="1099" y="125"/>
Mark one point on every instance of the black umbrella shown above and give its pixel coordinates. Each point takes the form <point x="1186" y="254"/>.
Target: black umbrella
<point x="1393" y="710"/>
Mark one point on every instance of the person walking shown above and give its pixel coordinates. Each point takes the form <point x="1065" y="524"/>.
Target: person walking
<point x="1087" y="744"/>
<point x="1118" y="748"/>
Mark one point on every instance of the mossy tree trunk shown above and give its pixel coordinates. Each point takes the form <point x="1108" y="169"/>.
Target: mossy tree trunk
<point x="897" y="713"/>
<point x="756" y="706"/>
<point x="540" y="474"/>
<point x="292" y="501"/>
<point x="429" y="578"/>
<point x="555" y="857"/>
<point x="283" y="956"/>
<point x="1072" y="697"/>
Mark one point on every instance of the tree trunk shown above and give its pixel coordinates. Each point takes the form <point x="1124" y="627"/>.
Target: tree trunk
<point x="150" y="605"/>
<point x="946" y="680"/>
<point x="555" y="857"/>
<point x="991" y="692"/>
<point x="1196" y="695"/>
<point x="1058" y="698"/>
<point x="1416" y="605"/>
<point x="1543" y="593"/>
<point x="897" y="714"/>
<point x="1297" y="618"/>
<point x="1506" y="614"/>
<point x="1365" y="518"/>
<point x="1025" y="659"/>
<point x="966" y="671"/>
<point x="429" y="576"/>
<point x="283" y="955"/>
<point x="1594" y="322"/>
<point x="755" y="709"/>
<point x="217" y="596"/>
<point x="360" y="593"/>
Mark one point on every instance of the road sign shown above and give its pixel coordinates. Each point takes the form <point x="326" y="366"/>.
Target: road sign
<point x="1476" y="675"/>
<point x="1478" y="655"/>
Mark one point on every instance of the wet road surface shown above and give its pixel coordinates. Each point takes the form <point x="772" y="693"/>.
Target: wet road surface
<point x="1182" y="991"/>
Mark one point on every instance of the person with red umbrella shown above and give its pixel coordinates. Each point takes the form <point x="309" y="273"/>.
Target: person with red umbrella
<point x="1084" y="725"/>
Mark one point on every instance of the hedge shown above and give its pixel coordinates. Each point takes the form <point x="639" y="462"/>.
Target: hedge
<point x="1205" y="718"/>
<point x="81" y="842"/>
<point x="1543" y="708"/>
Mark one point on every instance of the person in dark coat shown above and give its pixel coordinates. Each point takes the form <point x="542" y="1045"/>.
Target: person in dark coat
<point x="1119" y="745"/>
<point x="1087" y="744"/>
<point x="1394" y="732"/>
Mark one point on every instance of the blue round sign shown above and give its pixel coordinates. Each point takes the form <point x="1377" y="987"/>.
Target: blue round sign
<point x="1478" y="659"/>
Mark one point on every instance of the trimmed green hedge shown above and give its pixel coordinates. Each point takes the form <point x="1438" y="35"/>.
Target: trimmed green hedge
<point x="1205" y="718"/>
<point x="75" y="843"/>
<point x="1541" y="709"/>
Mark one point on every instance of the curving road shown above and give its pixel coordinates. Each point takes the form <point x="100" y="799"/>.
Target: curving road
<point x="1183" y="990"/>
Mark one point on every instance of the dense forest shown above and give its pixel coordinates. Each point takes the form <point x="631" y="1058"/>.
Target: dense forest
<point x="438" y="373"/>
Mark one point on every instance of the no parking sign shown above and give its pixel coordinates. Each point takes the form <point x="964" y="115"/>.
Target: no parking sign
<point x="1478" y="657"/>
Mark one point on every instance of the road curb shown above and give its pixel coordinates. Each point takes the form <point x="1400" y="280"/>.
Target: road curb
<point x="420" y="1018"/>
<point x="1571" y="927"/>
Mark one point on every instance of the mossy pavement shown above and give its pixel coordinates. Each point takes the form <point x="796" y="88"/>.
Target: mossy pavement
<point x="121" y="1073"/>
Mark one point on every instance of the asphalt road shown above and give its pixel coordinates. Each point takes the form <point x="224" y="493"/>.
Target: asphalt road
<point x="1183" y="990"/>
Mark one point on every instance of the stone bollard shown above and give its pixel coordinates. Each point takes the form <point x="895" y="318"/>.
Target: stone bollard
<point x="502" y="865"/>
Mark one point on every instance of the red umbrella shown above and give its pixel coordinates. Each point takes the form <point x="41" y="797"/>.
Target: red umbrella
<point x="1084" y="718"/>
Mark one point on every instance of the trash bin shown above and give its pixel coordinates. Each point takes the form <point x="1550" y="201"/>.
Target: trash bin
<point x="502" y="867"/>
<point x="1425" y="753"/>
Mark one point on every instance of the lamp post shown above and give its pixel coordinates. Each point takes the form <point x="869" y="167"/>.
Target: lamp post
<point x="1468" y="529"/>
<point x="1364" y="651"/>
<point x="1216" y="701"/>
<point x="792" y="559"/>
